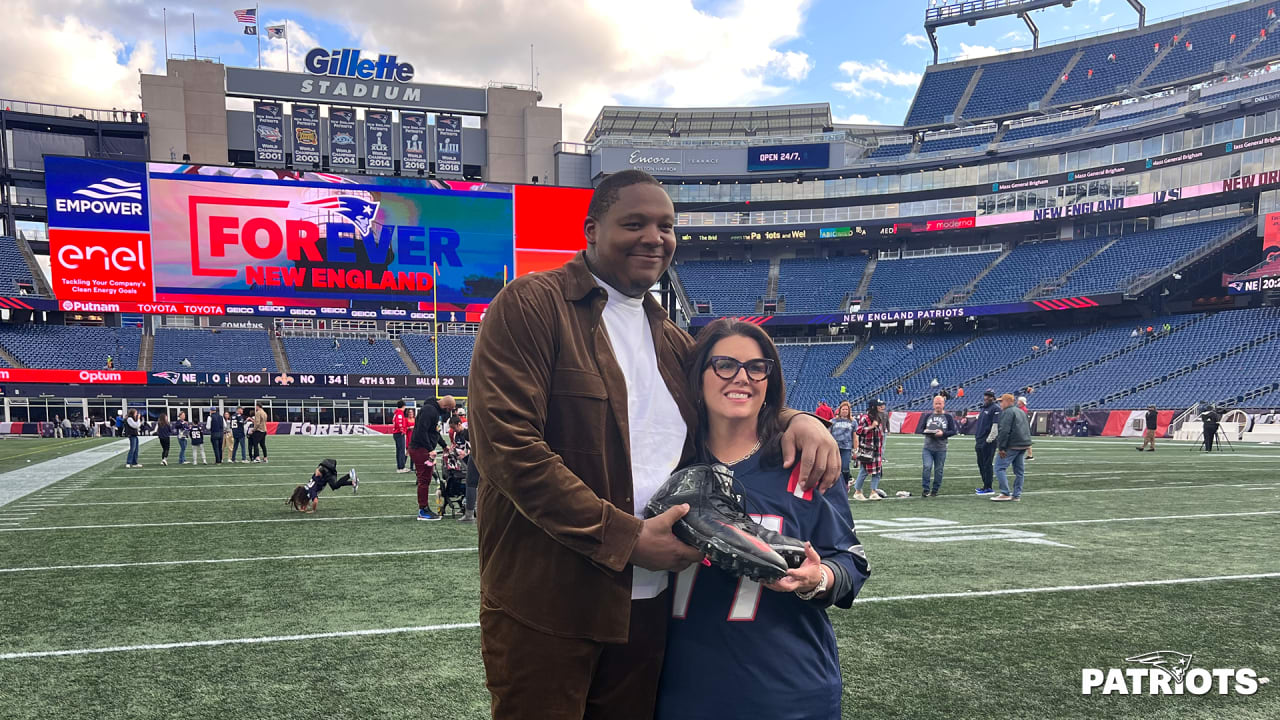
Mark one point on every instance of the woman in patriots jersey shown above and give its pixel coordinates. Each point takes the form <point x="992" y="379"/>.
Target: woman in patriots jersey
<point x="768" y="650"/>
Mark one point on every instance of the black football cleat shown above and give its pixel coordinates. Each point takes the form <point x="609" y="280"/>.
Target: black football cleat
<point x="720" y="527"/>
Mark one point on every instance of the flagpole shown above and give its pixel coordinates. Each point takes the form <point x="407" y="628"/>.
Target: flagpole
<point x="435" y="334"/>
<point x="257" y="33"/>
<point x="164" y="13"/>
<point x="194" y="52"/>
<point x="286" y="45"/>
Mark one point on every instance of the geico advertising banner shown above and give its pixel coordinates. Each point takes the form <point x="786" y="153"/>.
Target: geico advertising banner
<point x="268" y="133"/>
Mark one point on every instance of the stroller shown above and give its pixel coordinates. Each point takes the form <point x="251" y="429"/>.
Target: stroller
<point x="452" y="490"/>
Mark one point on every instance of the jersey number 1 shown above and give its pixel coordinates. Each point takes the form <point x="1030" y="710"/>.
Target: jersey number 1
<point x="745" y="600"/>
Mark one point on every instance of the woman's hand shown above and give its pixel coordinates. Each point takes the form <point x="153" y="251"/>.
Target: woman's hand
<point x="804" y="578"/>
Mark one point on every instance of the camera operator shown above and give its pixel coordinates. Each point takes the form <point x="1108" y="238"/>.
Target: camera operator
<point x="1210" y="419"/>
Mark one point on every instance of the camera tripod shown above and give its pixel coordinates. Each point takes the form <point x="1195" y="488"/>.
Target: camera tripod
<point x="1220" y="438"/>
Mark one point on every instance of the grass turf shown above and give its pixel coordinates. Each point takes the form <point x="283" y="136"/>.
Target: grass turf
<point x="1094" y="512"/>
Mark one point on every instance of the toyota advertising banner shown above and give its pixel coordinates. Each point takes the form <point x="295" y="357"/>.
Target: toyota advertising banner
<point x="448" y="145"/>
<point x="377" y="141"/>
<point x="413" y="142"/>
<point x="306" y="136"/>
<point x="343" y="154"/>
<point x="268" y="134"/>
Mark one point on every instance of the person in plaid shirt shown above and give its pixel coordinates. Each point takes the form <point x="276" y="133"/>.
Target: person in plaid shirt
<point x="868" y="450"/>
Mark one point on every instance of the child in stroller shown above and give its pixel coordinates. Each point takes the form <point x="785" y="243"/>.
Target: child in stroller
<point x="453" y="481"/>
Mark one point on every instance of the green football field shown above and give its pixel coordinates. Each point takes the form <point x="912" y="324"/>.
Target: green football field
<point x="194" y="592"/>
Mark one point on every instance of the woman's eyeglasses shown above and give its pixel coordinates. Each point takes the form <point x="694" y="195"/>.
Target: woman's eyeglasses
<point x="726" y="368"/>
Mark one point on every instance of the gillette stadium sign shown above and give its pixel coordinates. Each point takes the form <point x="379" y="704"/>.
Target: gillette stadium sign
<point x="348" y="76"/>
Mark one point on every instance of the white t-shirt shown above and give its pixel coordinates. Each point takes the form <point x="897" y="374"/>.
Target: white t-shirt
<point x="656" y="428"/>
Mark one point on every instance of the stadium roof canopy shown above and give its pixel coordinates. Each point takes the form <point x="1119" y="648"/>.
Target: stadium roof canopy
<point x="773" y="120"/>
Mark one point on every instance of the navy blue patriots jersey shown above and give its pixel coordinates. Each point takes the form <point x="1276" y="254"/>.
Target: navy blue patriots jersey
<point x="736" y="649"/>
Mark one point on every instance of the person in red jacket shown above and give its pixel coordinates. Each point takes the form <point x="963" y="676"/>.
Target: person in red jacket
<point x="824" y="411"/>
<point x="399" y="430"/>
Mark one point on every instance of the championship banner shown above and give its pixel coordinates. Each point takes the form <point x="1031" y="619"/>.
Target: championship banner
<point x="377" y="141"/>
<point x="268" y="133"/>
<point x="342" y="139"/>
<point x="448" y="145"/>
<point x="413" y="142"/>
<point x="306" y="136"/>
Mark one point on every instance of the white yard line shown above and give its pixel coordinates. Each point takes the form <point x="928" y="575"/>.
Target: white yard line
<point x="219" y="561"/>
<point x="1034" y="523"/>
<point x="275" y="498"/>
<point x="208" y="522"/>
<point x="472" y="625"/>
<point x="19" y="483"/>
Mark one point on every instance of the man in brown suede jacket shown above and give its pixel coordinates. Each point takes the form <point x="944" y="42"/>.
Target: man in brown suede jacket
<point x="578" y="412"/>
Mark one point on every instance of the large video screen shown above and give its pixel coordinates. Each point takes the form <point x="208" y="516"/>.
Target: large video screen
<point x="155" y="236"/>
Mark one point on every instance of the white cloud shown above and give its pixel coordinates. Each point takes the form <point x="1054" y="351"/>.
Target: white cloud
<point x="969" y="52"/>
<point x="1093" y="5"/>
<point x="299" y="42"/>
<point x="1013" y="36"/>
<point x="919" y="41"/>
<point x="1106" y="18"/>
<point x="855" y="119"/>
<point x="793" y="66"/>
<point x="862" y="75"/>
<point x="69" y="60"/>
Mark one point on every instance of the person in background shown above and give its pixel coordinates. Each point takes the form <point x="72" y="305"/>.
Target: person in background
<point x="164" y="431"/>
<point x="984" y="440"/>
<point x="228" y="445"/>
<point x="248" y="435"/>
<point x="933" y="384"/>
<point x="868" y="449"/>
<point x="398" y="428"/>
<point x="119" y="423"/>
<point x="1022" y="405"/>
<point x="111" y="363"/>
<point x="182" y="429"/>
<point x="960" y="392"/>
<point x="1013" y="439"/>
<point x="842" y="431"/>
<point x="461" y="436"/>
<point x="236" y="422"/>
<point x="936" y="428"/>
<point x="824" y="410"/>
<point x="1135" y="333"/>
<point x="186" y="362"/>
<point x="132" y="426"/>
<point x="1152" y="420"/>
<point x="423" y="443"/>
<point x="260" y="430"/>
<point x="66" y="427"/>
<point x="57" y="426"/>
<point x="410" y="420"/>
<point x="196" y="430"/>
<point x="216" y="426"/>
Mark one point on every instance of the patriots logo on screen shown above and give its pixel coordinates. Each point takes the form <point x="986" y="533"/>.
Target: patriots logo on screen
<point x="1236" y="285"/>
<point x="1175" y="663"/>
<point x="172" y="377"/>
<point x="359" y="211"/>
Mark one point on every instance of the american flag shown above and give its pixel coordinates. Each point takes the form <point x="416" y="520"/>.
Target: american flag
<point x="248" y="15"/>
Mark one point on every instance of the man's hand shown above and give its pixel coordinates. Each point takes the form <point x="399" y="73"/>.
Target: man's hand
<point x="658" y="549"/>
<point x="819" y="454"/>
<point x="1004" y="454"/>
<point x="804" y="578"/>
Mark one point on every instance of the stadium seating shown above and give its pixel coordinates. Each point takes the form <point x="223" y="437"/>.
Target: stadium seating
<point x="1008" y="86"/>
<point x="1029" y="265"/>
<point x="816" y="285"/>
<point x="317" y="355"/>
<point x="455" y="352"/>
<point x="14" y="269"/>
<point x="236" y="350"/>
<point x="1045" y="129"/>
<point x="881" y="361"/>
<point x="939" y="93"/>
<point x="1132" y="56"/>
<point x="1210" y="43"/>
<point x="1133" y="117"/>
<point x="987" y="351"/>
<point x="1132" y="255"/>
<point x="72" y="347"/>
<point x="922" y="282"/>
<point x="732" y="287"/>
<point x="956" y="142"/>
<point x="888" y="151"/>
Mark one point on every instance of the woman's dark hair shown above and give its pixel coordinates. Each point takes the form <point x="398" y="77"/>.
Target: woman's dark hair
<point x="163" y="419"/>
<point x="299" y="499"/>
<point x="769" y="425"/>
<point x="399" y="403"/>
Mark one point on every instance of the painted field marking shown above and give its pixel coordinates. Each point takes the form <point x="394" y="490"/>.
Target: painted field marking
<point x="472" y="625"/>
<point x="219" y="561"/>
<point x="211" y="522"/>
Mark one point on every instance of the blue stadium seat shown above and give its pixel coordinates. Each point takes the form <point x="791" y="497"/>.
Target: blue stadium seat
<point x="938" y="95"/>
<point x="956" y="142"/>
<point x="888" y="151"/>
<point x="72" y="347"/>
<point x="732" y="287"/>
<point x="1132" y="56"/>
<point x="14" y="269"/>
<point x="1029" y="265"/>
<point x="922" y="282"/>
<point x="455" y="352"/>
<point x="1210" y="43"/>
<point x="235" y="350"/>
<point x="317" y="355"/>
<point x="1045" y="129"/>
<point x="815" y="285"/>
<point x="1008" y="86"/>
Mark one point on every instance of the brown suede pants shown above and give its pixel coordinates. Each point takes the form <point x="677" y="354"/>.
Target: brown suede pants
<point x="531" y="674"/>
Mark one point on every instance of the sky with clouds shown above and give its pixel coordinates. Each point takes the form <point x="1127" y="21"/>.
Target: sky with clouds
<point x="865" y="57"/>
